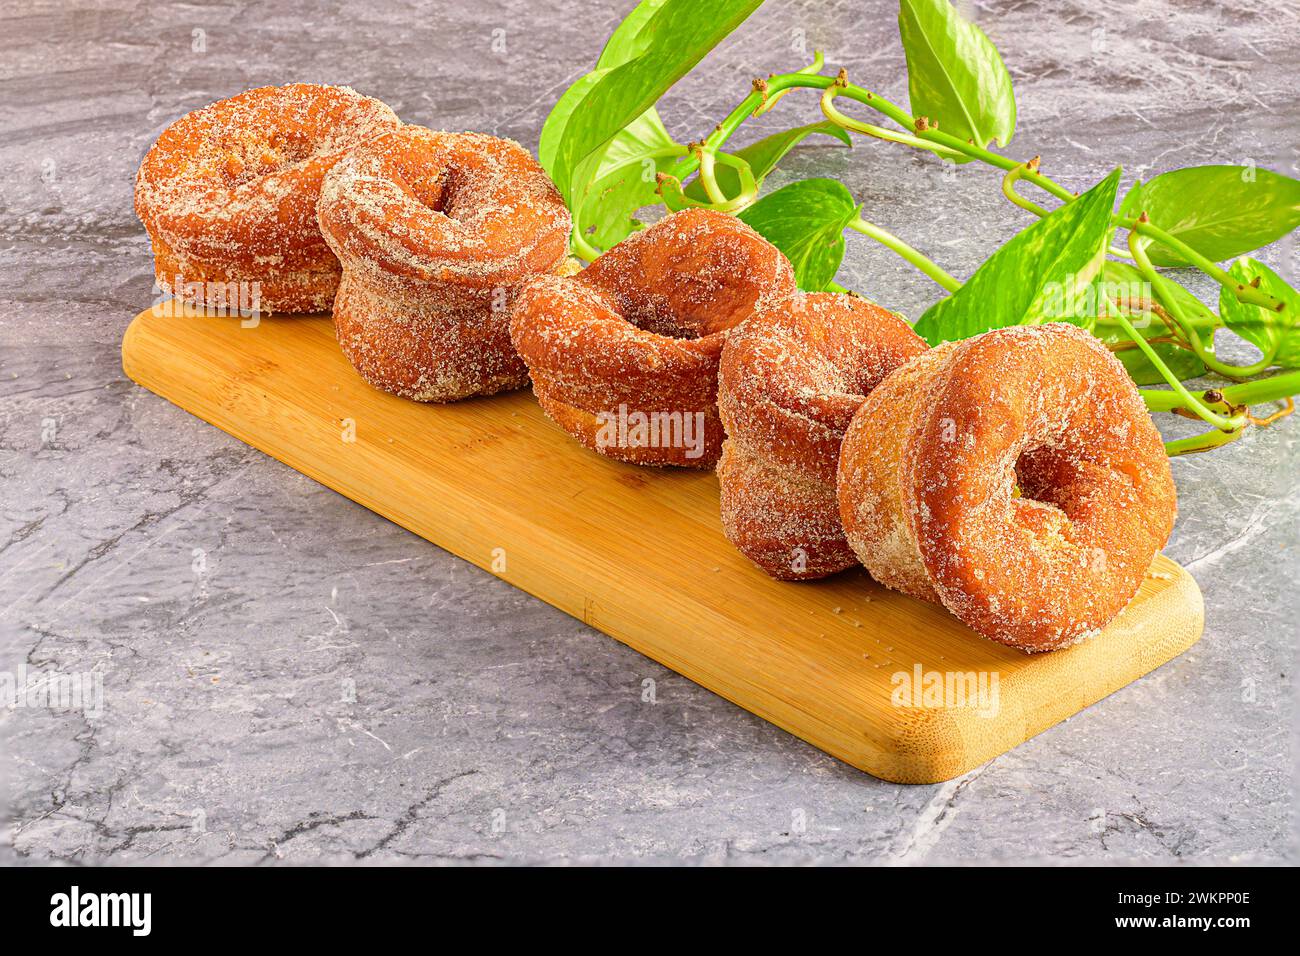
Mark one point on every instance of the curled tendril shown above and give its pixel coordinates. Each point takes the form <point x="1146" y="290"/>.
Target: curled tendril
<point x="1175" y="309"/>
<point x="670" y="190"/>
<point x="674" y="196"/>
<point x="1009" y="186"/>
<point x="870" y="129"/>
<point x="811" y="69"/>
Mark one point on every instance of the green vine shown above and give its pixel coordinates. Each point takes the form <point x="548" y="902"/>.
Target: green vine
<point x="979" y="107"/>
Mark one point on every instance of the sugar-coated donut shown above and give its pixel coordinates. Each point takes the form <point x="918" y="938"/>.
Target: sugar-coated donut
<point x="435" y="232"/>
<point x="1014" y="477"/>
<point x="624" y="356"/>
<point x="228" y="194"/>
<point x="790" y="381"/>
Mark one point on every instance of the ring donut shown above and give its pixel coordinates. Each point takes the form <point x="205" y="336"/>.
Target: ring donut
<point x="790" y="380"/>
<point x="1015" y="478"/>
<point x="228" y="194"/>
<point x="624" y="356"/>
<point x="435" y="230"/>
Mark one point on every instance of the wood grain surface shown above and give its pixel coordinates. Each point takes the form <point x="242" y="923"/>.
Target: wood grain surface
<point x="639" y="554"/>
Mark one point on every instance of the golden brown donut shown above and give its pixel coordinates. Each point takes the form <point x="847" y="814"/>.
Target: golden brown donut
<point x="790" y="380"/>
<point x="624" y="356"/>
<point x="1014" y="477"/>
<point x="435" y="231"/>
<point x="228" y="194"/>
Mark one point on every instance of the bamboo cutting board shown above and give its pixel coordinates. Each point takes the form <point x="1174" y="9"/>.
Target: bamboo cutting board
<point x="893" y="686"/>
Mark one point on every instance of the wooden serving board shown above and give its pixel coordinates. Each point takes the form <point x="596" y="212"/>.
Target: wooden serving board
<point x="638" y="553"/>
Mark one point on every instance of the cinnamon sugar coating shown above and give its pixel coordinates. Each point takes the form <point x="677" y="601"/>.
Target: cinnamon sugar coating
<point x="1014" y="477"/>
<point x="435" y="231"/>
<point x="790" y="381"/>
<point x="228" y="193"/>
<point x="637" y="335"/>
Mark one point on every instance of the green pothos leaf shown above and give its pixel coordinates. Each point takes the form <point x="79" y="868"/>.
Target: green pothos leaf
<point x="1131" y="204"/>
<point x="658" y="43"/>
<point x="1220" y="211"/>
<point x="954" y="73"/>
<point x="1036" y="277"/>
<point x="806" y="221"/>
<point x="620" y="179"/>
<point x="1275" y="334"/>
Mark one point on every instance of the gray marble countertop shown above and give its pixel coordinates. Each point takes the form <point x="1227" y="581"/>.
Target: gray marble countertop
<point x="289" y="677"/>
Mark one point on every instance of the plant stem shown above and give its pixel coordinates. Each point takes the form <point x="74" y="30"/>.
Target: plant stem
<point x="765" y="92"/>
<point x="748" y="186"/>
<point x="581" y="247"/>
<point x="1009" y="188"/>
<point x="1235" y="398"/>
<point x="671" y="192"/>
<point x="1162" y="400"/>
<point x="1203" y="442"/>
<point x="1190" y="402"/>
<point x="709" y="180"/>
<point x="1175" y="309"/>
<point x="1271" y="389"/>
<point x="578" y="241"/>
<point x="675" y="198"/>
<point x="916" y="258"/>
<point x="814" y="68"/>
<point x="845" y="122"/>
<point x="1243" y="292"/>
<point x="780" y="84"/>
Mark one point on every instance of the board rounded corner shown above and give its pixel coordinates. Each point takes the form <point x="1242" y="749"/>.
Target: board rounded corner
<point x="929" y="745"/>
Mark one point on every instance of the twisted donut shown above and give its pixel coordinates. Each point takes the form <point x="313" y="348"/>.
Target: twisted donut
<point x="624" y="357"/>
<point x="1014" y="477"/>
<point x="228" y="194"/>
<point x="435" y="230"/>
<point x="790" y="380"/>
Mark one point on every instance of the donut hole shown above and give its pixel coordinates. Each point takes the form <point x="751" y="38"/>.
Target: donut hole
<point x="1048" y="476"/>
<point x="456" y="194"/>
<point x="665" y="322"/>
<point x="694" y="302"/>
<point x="651" y="312"/>
<point x="437" y="192"/>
